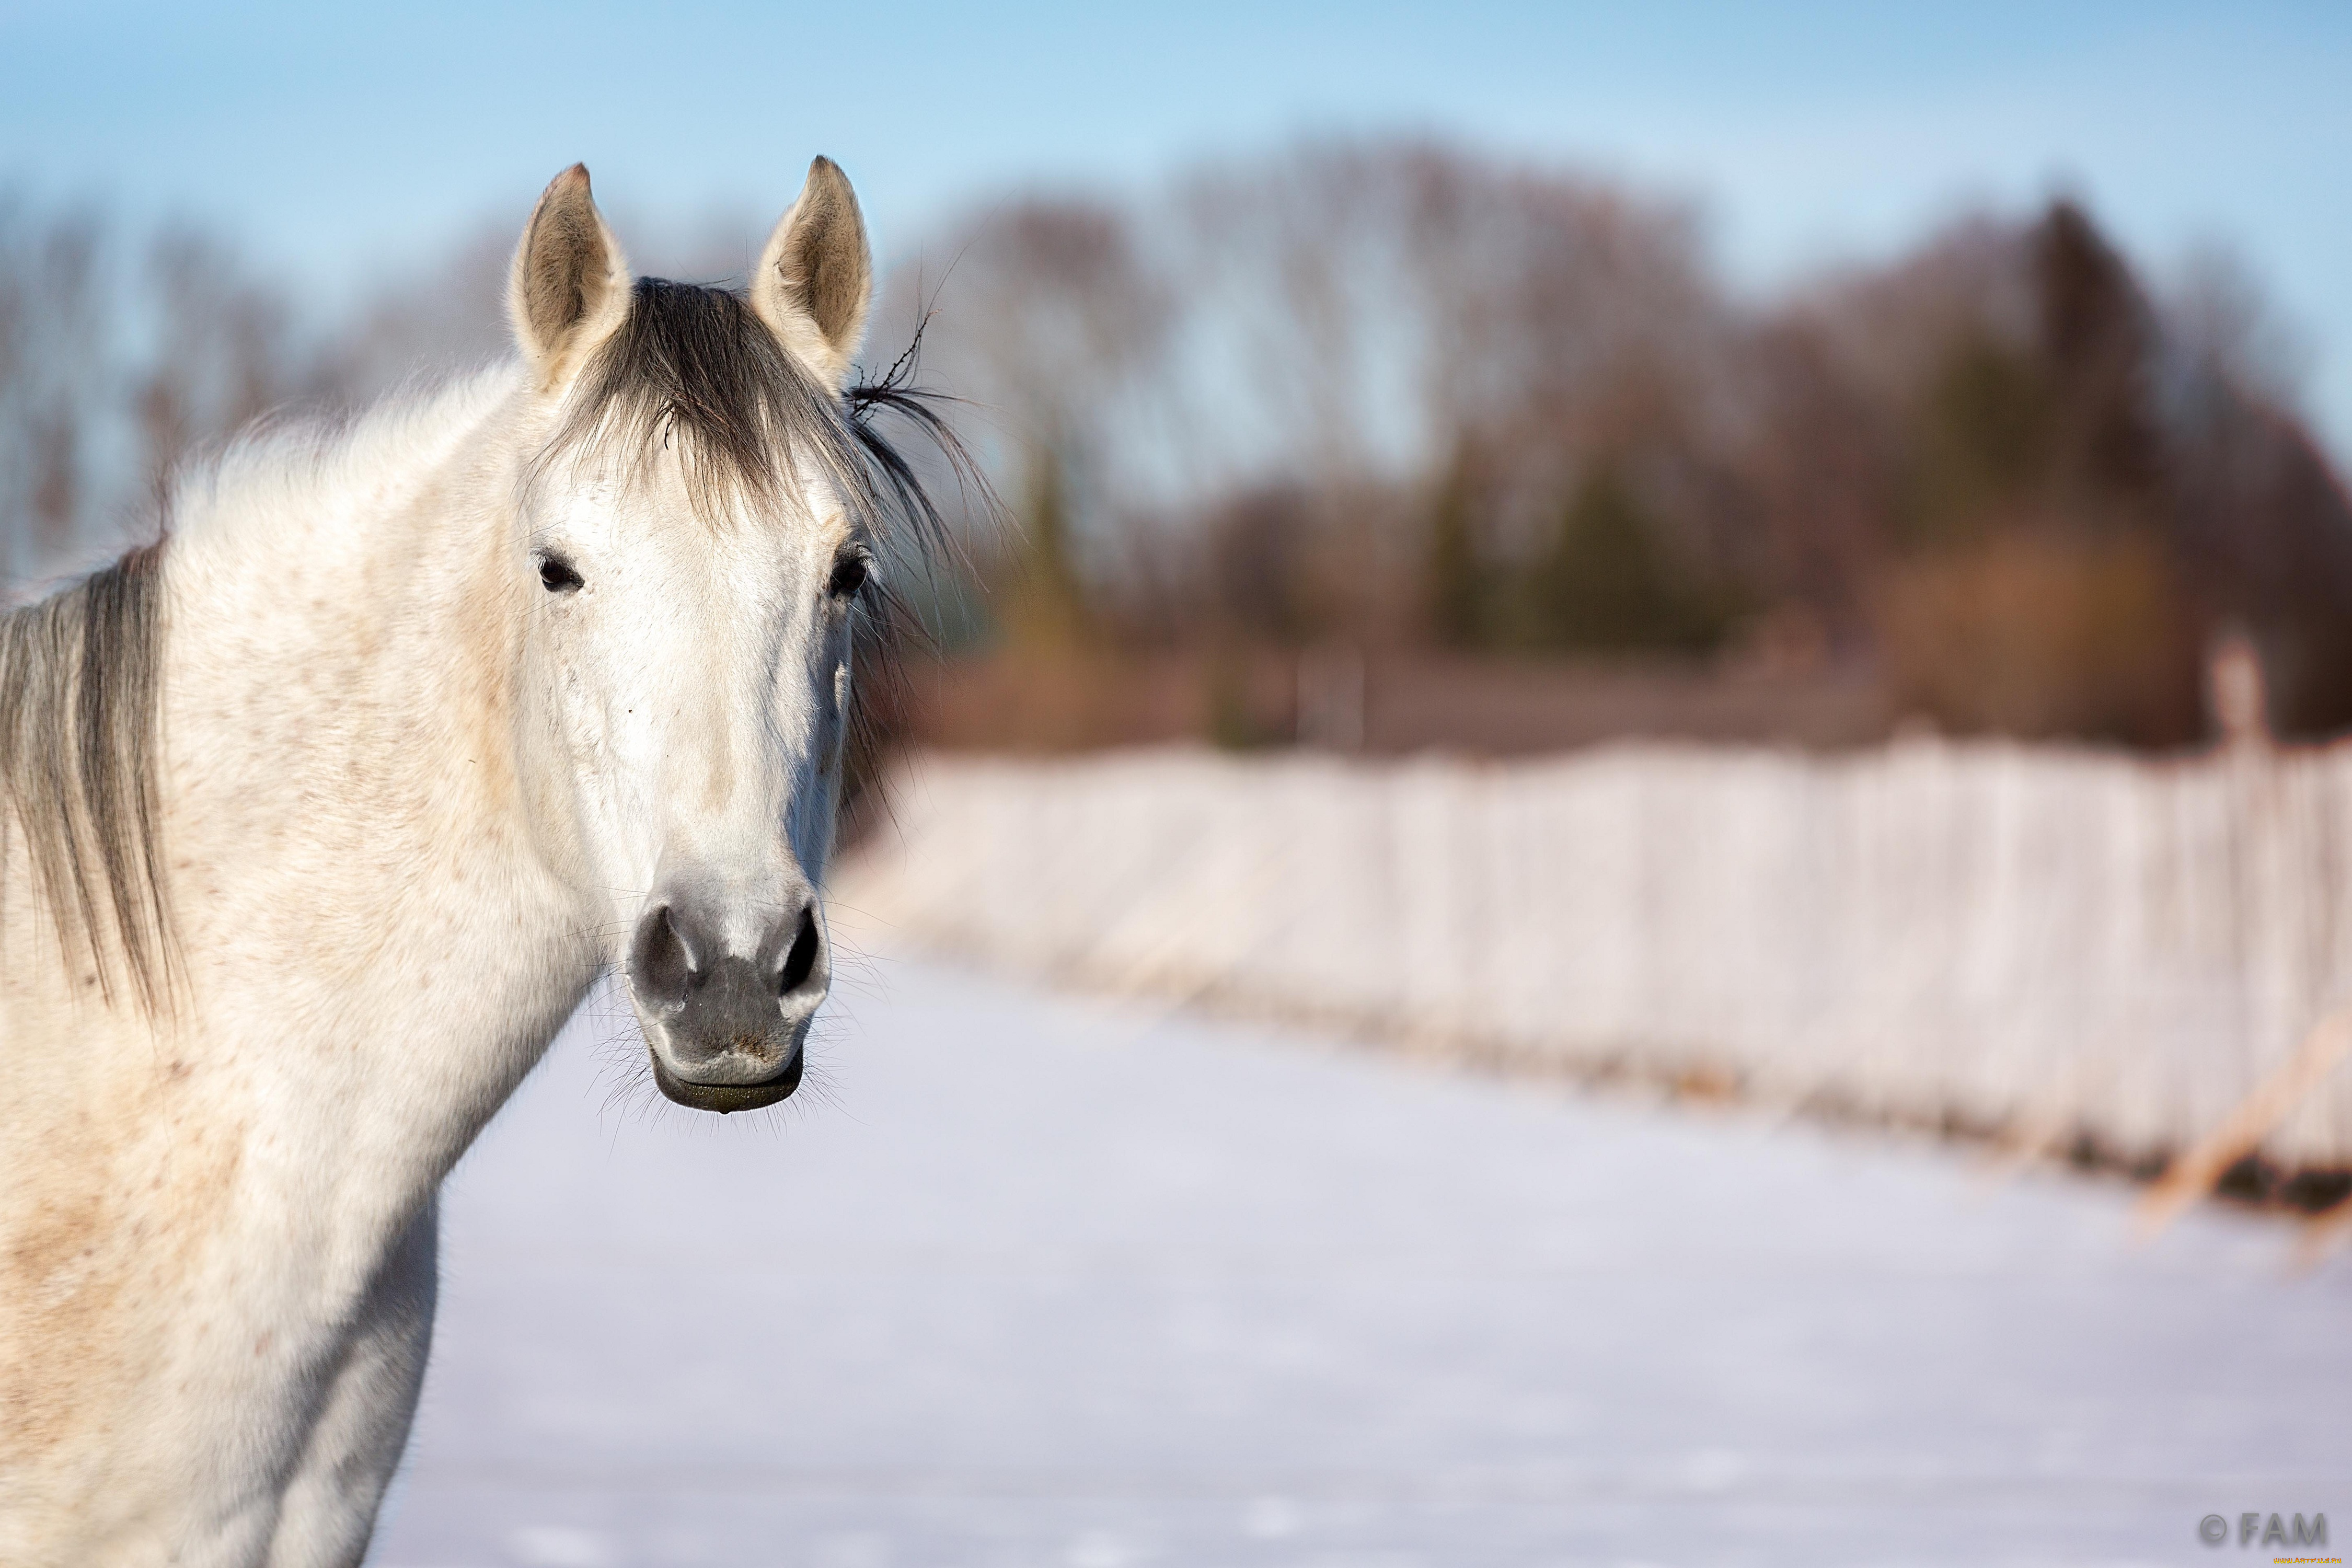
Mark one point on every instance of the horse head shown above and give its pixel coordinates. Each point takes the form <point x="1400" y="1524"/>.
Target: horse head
<point x="697" y="539"/>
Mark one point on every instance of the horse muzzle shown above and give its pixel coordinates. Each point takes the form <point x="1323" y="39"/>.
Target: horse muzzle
<point x="725" y="1030"/>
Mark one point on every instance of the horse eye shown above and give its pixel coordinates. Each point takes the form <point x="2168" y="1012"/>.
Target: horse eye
<point x="848" y="576"/>
<point x="555" y="573"/>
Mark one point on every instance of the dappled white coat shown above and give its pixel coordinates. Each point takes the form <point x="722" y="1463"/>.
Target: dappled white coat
<point x="411" y="804"/>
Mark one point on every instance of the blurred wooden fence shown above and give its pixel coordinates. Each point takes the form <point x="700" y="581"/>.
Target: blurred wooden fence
<point x="2045" y="945"/>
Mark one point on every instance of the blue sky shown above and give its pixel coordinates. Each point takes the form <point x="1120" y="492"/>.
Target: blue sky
<point x="345" y="143"/>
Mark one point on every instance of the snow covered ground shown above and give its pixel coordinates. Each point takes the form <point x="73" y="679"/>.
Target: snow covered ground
<point x="1041" y="1281"/>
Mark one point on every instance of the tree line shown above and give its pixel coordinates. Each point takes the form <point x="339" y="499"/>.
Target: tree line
<point x="1398" y="394"/>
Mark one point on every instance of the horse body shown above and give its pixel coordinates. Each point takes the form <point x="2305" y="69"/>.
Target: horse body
<point x="220" y="1207"/>
<point x="405" y="800"/>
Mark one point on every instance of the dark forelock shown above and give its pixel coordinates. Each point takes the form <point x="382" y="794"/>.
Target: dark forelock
<point x="691" y="368"/>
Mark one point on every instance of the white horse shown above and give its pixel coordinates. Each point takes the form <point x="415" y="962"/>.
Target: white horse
<point x="319" y="818"/>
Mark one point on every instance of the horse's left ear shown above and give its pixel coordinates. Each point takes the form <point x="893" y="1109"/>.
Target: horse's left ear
<point x="816" y="276"/>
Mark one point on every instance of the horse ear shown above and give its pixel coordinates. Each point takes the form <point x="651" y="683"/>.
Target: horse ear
<point x="570" y="285"/>
<point x="816" y="276"/>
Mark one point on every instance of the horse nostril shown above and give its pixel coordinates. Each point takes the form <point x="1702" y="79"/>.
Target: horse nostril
<point x="661" y="964"/>
<point x="801" y="962"/>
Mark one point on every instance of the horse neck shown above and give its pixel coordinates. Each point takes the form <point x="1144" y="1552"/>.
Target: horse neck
<point x="365" y="902"/>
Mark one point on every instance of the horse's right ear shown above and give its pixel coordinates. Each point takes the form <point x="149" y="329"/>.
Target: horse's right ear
<point x="570" y="285"/>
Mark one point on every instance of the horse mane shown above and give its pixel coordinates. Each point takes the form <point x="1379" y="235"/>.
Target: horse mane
<point x="80" y="678"/>
<point x="80" y="670"/>
<point x="80" y="674"/>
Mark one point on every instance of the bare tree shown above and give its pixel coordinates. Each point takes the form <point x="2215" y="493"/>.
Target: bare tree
<point x="52" y="368"/>
<point x="119" y="356"/>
